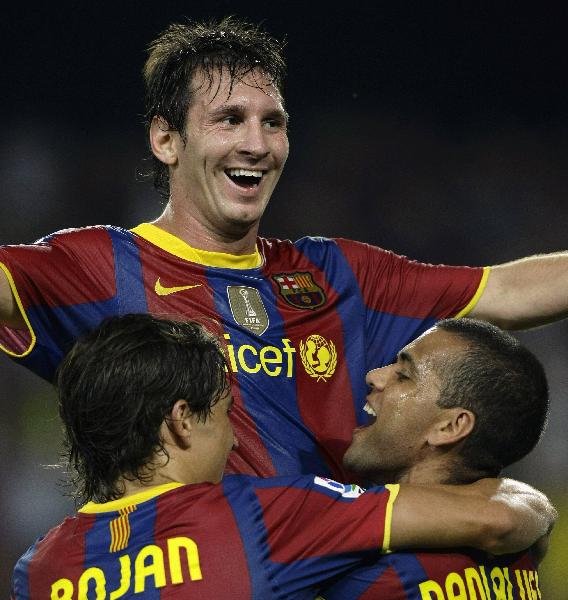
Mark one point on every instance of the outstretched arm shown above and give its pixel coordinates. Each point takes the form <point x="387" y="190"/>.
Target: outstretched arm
<point x="525" y="293"/>
<point x="498" y="516"/>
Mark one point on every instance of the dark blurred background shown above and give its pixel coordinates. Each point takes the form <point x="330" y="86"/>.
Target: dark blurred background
<point x="437" y="132"/>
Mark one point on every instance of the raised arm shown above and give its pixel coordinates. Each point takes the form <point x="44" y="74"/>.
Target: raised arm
<point x="525" y="293"/>
<point x="499" y="516"/>
<point x="9" y="312"/>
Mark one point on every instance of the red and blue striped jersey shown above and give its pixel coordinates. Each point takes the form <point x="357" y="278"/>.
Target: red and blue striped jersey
<point x="303" y="322"/>
<point x="245" y="538"/>
<point x="467" y="575"/>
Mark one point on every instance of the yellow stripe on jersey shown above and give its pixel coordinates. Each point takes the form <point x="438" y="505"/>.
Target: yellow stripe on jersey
<point x="95" y="507"/>
<point x="174" y="245"/>
<point x="475" y="298"/>
<point x="22" y="312"/>
<point x="393" y="489"/>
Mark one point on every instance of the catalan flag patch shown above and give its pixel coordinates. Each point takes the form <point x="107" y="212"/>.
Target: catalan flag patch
<point x="120" y="529"/>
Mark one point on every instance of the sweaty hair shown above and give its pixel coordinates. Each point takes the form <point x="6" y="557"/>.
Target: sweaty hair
<point x="116" y="386"/>
<point x="504" y="385"/>
<point x="182" y="50"/>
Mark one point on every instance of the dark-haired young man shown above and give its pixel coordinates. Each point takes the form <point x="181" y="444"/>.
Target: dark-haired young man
<point x="145" y="406"/>
<point x="461" y="402"/>
<point x="303" y="321"/>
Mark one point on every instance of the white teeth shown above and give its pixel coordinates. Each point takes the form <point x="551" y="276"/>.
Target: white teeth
<point x="367" y="408"/>
<point x="244" y="172"/>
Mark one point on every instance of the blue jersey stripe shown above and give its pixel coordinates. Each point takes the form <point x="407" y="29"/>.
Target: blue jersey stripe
<point x="248" y="517"/>
<point x="130" y="292"/>
<point x="20" y="576"/>
<point x="288" y="441"/>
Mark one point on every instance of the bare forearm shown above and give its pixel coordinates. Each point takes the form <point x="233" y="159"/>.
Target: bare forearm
<point x="526" y="293"/>
<point x="493" y="515"/>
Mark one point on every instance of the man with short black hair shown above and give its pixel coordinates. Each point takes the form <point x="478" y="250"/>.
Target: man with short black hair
<point x="461" y="402"/>
<point x="145" y="406"/>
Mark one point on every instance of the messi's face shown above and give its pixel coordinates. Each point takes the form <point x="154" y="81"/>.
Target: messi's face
<point x="402" y="402"/>
<point x="236" y="147"/>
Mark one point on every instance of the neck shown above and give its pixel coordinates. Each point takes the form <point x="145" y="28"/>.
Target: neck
<point x="442" y="469"/>
<point x="175" y="469"/>
<point x="241" y="240"/>
<point x="135" y="486"/>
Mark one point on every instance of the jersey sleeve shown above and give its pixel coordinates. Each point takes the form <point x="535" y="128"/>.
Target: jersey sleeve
<point x="57" y="282"/>
<point x="393" y="284"/>
<point x="317" y="528"/>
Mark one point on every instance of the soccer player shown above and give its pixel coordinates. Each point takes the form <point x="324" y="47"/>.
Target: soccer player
<point x="303" y="321"/>
<point x="145" y="406"/>
<point x="461" y="402"/>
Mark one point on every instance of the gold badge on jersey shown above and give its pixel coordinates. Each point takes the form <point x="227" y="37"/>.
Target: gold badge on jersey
<point x="319" y="357"/>
<point x="247" y="308"/>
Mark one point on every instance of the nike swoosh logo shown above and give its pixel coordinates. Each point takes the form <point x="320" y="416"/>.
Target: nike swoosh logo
<point x="166" y="291"/>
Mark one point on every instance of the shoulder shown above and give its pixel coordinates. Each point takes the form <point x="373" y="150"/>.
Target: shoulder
<point x="77" y="235"/>
<point x="86" y="243"/>
<point x="317" y="246"/>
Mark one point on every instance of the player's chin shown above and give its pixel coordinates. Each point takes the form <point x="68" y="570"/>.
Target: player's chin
<point x="353" y="454"/>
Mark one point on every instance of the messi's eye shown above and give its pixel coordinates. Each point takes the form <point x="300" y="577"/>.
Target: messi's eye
<point x="230" y="120"/>
<point x="401" y="376"/>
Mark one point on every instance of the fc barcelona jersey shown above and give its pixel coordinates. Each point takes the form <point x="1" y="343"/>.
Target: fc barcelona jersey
<point x="302" y="322"/>
<point x="245" y="539"/>
<point x="468" y="575"/>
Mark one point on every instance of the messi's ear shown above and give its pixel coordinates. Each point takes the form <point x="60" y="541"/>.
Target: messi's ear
<point x="453" y="425"/>
<point x="164" y="141"/>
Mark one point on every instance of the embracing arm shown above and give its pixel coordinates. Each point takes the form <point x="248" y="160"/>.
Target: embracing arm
<point x="498" y="516"/>
<point x="525" y="293"/>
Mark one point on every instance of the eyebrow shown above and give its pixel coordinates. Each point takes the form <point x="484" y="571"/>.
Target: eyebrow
<point x="407" y="358"/>
<point x="226" y="109"/>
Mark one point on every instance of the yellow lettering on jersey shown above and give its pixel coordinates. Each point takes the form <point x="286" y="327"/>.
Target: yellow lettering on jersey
<point x="499" y="584"/>
<point x="528" y="577"/>
<point x="62" y="589"/>
<point x="182" y="555"/>
<point x="429" y="588"/>
<point x="155" y="568"/>
<point x="474" y="584"/>
<point x="241" y="355"/>
<point x="269" y="359"/>
<point x="485" y="581"/>
<point x="175" y="546"/>
<point x="125" y="576"/>
<point x="97" y="575"/>
<point x="455" y="587"/>
<point x="520" y="585"/>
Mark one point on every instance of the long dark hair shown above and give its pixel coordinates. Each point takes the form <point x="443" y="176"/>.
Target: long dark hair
<point x="116" y="386"/>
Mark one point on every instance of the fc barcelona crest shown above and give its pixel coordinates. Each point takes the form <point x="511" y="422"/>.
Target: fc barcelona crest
<point x="300" y="290"/>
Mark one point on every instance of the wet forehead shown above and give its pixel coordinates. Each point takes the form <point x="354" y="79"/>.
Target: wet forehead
<point x="218" y="88"/>
<point x="434" y="347"/>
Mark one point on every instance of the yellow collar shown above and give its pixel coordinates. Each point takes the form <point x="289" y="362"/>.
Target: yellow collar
<point x="174" y="245"/>
<point x="95" y="507"/>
